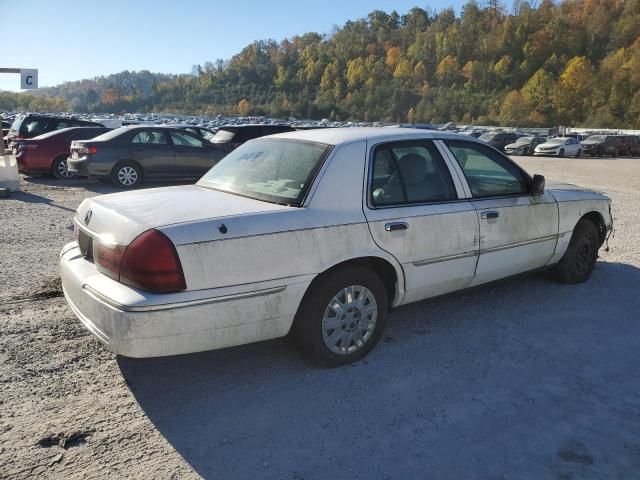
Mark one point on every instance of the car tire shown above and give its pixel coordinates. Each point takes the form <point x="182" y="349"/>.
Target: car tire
<point x="59" y="169"/>
<point x="578" y="153"/>
<point x="333" y="337"/>
<point x="561" y="153"/>
<point x="126" y="175"/>
<point x="577" y="263"/>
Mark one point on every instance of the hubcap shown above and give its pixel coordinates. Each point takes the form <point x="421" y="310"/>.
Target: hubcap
<point x="62" y="169"/>
<point x="349" y="319"/>
<point x="127" y="176"/>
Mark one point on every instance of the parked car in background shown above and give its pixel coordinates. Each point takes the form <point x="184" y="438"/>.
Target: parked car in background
<point x="206" y="133"/>
<point x="629" y="145"/>
<point x="601" y="145"/>
<point x="31" y="125"/>
<point x="127" y="155"/>
<point x="5" y="131"/>
<point x="231" y="137"/>
<point x="48" y="153"/>
<point x="560" y="147"/>
<point x="271" y="246"/>
<point x="498" y="140"/>
<point x="524" y="146"/>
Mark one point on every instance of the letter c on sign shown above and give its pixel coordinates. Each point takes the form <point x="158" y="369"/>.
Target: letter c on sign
<point x="29" y="80"/>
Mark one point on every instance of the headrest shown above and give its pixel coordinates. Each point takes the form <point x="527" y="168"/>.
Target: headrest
<point x="413" y="168"/>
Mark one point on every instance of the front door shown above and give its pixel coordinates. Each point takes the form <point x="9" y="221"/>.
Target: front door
<point x="415" y="213"/>
<point x="192" y="158"/>
<point x="518" y="231"/>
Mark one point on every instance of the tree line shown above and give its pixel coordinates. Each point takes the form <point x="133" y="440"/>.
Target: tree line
<point x="575" y="62"/>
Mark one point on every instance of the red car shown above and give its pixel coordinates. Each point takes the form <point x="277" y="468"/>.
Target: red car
<point x="48" y="152"/>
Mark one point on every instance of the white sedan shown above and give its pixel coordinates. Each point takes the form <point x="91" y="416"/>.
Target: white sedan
<point x="319" y="232"/>
<point x="560" y="147"/>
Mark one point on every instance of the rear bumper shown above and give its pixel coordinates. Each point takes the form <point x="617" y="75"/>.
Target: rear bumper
<point x="85" y="167"/>
<point x="146" y="328"/>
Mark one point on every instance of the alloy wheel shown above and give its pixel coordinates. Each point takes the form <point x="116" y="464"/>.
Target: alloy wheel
<point x="127" y="176"/>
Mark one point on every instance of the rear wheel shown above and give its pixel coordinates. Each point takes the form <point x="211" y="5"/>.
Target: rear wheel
<point x="126" y="175"/>
<point x="580" y="258"/>
<point x="59" y="168"/>
<point x="342" y="318"/>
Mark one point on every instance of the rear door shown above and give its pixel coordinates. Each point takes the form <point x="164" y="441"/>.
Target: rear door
<point x="416" y="212"/>
<point x="153" y="150"/>
<point x="518" y="231"/>
<point x="192" y="158"/>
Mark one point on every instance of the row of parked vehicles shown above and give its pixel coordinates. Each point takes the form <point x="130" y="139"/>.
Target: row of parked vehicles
<point x="66" y="147"/>
<point x="570" y="145"/>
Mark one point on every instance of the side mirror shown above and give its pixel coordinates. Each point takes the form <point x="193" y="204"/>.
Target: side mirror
<point x="537" y="185"/>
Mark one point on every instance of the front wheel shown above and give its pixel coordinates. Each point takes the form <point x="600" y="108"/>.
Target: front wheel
<point x="561" y="152"/>
<point x="578" y="153"/>
<point x="59" y="169"/>
<point x="578" y="261"/>
<point x="126" y="175"/>
<point x="342" y="317"/>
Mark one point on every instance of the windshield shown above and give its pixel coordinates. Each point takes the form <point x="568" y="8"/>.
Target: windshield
<point x="223" y="136"/>
<point x="596" y="138"/>
<point x="274" y="170"/>
<point x="557" y="140"/>
<point x="524" y="140"/>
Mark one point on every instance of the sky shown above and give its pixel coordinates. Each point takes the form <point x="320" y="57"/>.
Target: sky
<point x="70" y="40"/>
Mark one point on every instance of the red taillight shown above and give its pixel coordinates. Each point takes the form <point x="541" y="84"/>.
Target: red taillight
<point x="92" y="150"/>
<point x="150" y="262"/>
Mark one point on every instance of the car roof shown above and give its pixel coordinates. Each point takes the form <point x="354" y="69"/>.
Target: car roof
<point x="343" y="135"/>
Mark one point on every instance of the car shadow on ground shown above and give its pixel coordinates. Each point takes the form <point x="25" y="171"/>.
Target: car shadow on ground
<point x="524" y="378"/>
<point x="33" y="198"/>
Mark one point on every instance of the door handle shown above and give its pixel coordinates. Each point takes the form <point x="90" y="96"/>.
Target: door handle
<point x="394" y="226"/>
<point x="489" y="215"/>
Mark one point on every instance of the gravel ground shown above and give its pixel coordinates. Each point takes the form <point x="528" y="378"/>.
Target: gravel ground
<point x="522" y="379"/>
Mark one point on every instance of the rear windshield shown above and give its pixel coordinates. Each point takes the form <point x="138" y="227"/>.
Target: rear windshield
<point x="112" y="134"/>
<point x="272" y="170"/>
<point x="54" y="132"/>
<point x="487" y="137"/>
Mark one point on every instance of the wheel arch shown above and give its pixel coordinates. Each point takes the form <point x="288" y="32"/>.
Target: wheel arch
<point x="597" y="219"/>
<point x="392" y="279"/>
<point x="127" y="160"/>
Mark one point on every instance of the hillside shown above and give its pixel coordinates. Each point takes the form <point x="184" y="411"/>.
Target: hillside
<point x="572" y="63"/>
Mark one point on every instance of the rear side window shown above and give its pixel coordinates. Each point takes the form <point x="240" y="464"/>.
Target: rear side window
<point x="150" y="137"/>
<point x="409" y="172"/>
<point x="487" y="172"/>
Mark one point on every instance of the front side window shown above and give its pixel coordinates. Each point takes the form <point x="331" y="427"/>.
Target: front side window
<point x="181" y="139"/>
<point x="150" y="137"/>
<point x="487" y="172"/>
<point x="274" y="170"/>
<point x="409" y="172"/>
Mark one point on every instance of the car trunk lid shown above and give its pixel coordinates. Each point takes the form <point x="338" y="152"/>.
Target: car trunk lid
<point x="120" y="217"/>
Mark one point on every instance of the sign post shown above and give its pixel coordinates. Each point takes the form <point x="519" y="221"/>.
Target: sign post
<point x="28" y="77"/>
